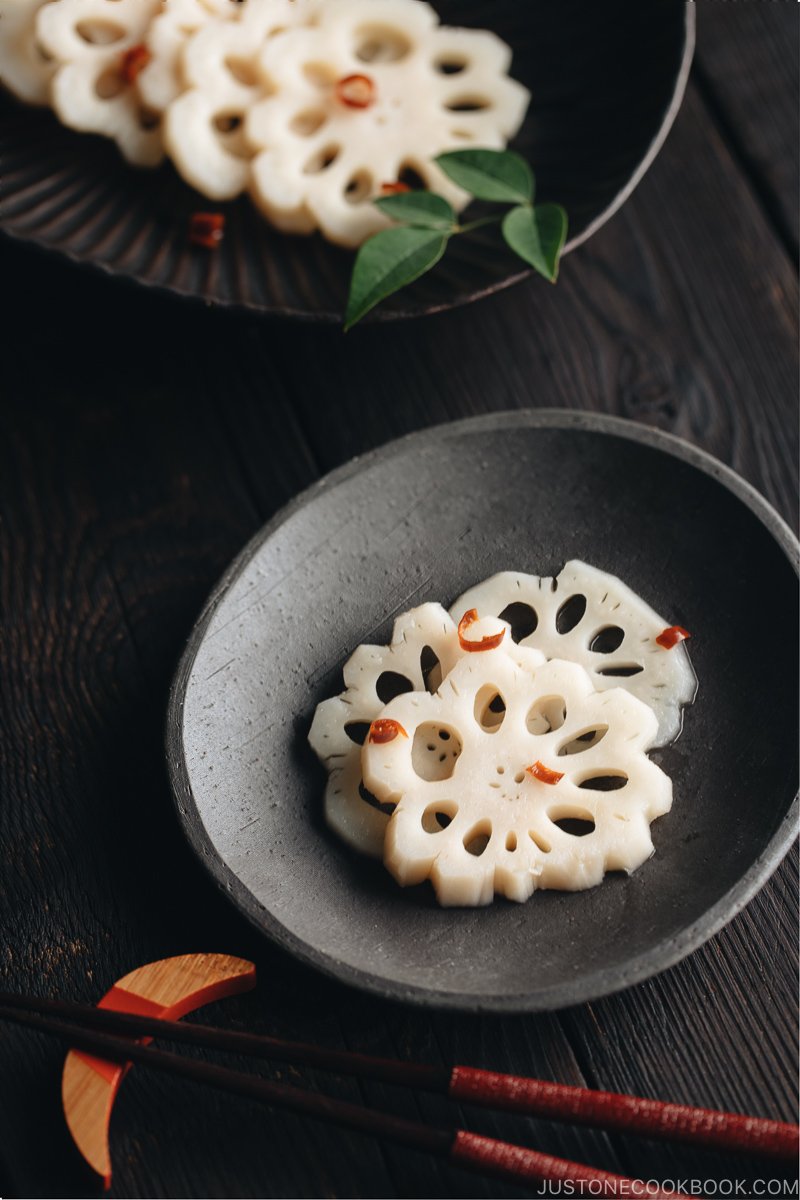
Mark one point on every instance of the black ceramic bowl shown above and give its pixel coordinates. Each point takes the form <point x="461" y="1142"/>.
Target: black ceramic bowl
<point x="606" y="78"/>
<point x="423" y="519"/>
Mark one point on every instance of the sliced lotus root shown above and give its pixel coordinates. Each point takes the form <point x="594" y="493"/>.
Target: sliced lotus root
<point x="368" y="96"/>
<point x="423" y="649"/>
<point x="592" y="618"/>
<point x="161" y="79"/>
<point x="205" y="126"/>
<point x="25" y="68"/>
<point x="516" y="775"/>
<point x="98" y="48"/>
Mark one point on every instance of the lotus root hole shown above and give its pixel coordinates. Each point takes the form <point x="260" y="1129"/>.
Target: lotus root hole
<point x="432" y="757"/>
<point x="322" y="160"/>
<point x="540" y="842"/>
<point x="522" y="618"/>
<point x="109" y="84"/>
<point x="307" y="123"/>
<point x="519" y="777"/>
<point x="100" y="33"/>
<point x="373" y="801"/>
<point x="511" y="842"/>
<point x="358" y="188"/>
<point x="412" y="178"/>
<point x="319" y="74"/>
<point x="149" y="118"/>
<point x="450" y="65"/>
<point x="430" y="669"/>
<point x="547" y="714"/>
<point x="468" y="104"/>
<point x="357" y="731"/>
<point x="227" y="122"/>
<point x="476" y="841"/>
<point x="391" y="684"/>
<point x="438" y="816"/>
<point x="381" y="43"/>
<point x="570" y="614"/>
<point x="574" y="821"/>
<point x="490" y="708"/>
<point x="605" y="782"/>
<point x="463" y="135"/>
<point x="583" y="741"/>
<point x="607" y="640"/>
<point x="228" y="126"/>
<point x="623" y="671"/>
<point x="243" y="70"/>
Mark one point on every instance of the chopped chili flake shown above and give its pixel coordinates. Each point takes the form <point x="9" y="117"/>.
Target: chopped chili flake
<point x="356" y="91"/>
<point x="544" y="774"/>
<point x="672" y="636"/>
<point x="206" y="229"/>
<point x="133" y="61"/>
<point x="385" y="730"/>
<point x="394" y="189"/>
<point x="490" y="642"/>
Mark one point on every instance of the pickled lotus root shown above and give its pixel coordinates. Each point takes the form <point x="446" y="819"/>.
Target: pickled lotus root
<point x="516" y="775"/>
<point x="368" y="96"/>
<point x="423" y="649"/>
<point x="205" y="126"/>
<point x="25" y="68"/>
<point x="161" y="79"/>
<point x="592" y="618"/>
<point x="98" y="48"/>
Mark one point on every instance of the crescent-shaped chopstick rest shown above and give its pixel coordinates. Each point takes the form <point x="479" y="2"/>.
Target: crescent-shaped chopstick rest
<point x="169" y="989"/>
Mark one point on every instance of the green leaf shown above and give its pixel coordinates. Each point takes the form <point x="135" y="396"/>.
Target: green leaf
<point x="423" y="210"/>
<point x="387" y="262"/>
<point x="490" y="174"/>
<point x="537" y="235"/>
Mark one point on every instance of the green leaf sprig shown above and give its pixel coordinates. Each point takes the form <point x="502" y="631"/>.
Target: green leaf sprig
<point x="390" y="260"/>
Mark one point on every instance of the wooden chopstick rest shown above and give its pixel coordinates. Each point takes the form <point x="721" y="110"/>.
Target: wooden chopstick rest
<point x="167" y="989"/>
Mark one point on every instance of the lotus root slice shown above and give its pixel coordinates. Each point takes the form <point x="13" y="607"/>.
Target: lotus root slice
<point x="479" y="821"/>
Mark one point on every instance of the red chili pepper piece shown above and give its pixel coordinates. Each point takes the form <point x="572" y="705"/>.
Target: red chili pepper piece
<point x="385" y="730"/>
<point x="356" y="91"/>
<point x="544" y="774"/>
<point x="394" y="189"/>
<point x="133" y="61"/>
<point x="206" y="229"/>
<point x="672" y="636"/>
<point x="490" y="642"/>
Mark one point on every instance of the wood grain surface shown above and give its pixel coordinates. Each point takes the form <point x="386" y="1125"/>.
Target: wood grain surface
<point x="142" y="442"/>
<point x="747" y="76"/>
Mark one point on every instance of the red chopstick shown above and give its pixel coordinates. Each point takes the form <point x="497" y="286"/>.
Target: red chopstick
<point x="730" y="1132"/>
<point x="462" y="1149"/>
<point x="613" y="1111"/>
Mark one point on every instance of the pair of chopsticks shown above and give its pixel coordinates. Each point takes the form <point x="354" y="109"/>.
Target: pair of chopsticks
<point x="105" y="1034"/>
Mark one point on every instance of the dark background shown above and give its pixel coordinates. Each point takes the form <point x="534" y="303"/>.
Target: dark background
<point x="142" y="441"/>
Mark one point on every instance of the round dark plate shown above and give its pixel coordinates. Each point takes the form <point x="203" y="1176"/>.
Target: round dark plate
<point x="422" y="519"/>
<point x="607" y="80"/>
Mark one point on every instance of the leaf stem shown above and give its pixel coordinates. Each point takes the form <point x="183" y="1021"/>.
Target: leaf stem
<point x="491" y="220"/>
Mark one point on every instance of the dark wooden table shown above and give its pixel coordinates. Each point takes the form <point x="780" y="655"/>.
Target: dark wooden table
<point x="143" y="441"/>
